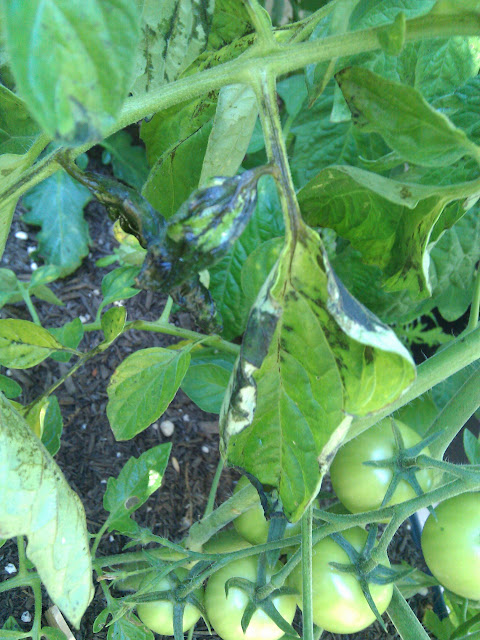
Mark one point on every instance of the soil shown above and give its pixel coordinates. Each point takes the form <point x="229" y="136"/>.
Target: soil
<point x="89" y="453"/>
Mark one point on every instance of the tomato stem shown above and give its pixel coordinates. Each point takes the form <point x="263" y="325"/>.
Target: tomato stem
<point x="307" y="597"/>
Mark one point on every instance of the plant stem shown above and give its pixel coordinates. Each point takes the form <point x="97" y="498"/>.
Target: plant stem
<point x="455" y="356"/>
<point x="307" y="600"/>
<point x="470" y="474"/>
<point x="454" y="415"/>
<point x="475" y="308"/>
<point x="22" y="558"/>
<point x="28" y="301"/>
<point x="405" y="621"/>
<point x="37" y="619"/>
<point x="265" y="88"/>
<point x="213" y="488"/>
<point x="98" y="538"/>
<point x="261" y="22"/>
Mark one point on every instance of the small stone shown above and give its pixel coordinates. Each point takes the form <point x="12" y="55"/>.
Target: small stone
<point x="119" y="455"/>
<point x="84" y="426"/>
<point x="84" y="319"/>
<point x="205" y="449"/>
<point x="96" y="292"/>
<point x="167" y="428"/>
<point x="103" y="482"/>
<point x="33" y="266"/>
<point x="175" y="464"/>
<point x="31" y="250"/>
<point x="155" y="426"/>
<point x="26" y="617"/>
<point x="111" y="538"/>
<point x="118" y="303"/>
<point x="10" y="568"/>
<point x="21" y="235"/>
<point x="186" y="417"/>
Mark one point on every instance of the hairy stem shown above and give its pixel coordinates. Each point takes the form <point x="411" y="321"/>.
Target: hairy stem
<point x="475" y="308"/>
<point x="307" y="600"/>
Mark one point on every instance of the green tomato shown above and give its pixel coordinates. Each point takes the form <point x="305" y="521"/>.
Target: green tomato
<point x="252" y="524"/>
<point x="225" y="541"/>
<point x="158" y="615"/>
<point x="339" y="605"/>
<point x="225" y="612"/>
<point x="451" y="544"/>
<point x="362" y="488"/>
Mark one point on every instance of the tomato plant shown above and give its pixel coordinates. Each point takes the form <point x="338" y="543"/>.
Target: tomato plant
<point x="451" y="544"/>
<point x="339" y="604"/>
<point x="225" y="611"/>
<point x="362" y="488"/>
<point x="302" y="179"/>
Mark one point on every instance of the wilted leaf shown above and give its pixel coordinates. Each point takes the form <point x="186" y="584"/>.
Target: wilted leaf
<point x="75" y="97"/>
<point x="56" y="205"/>
<point x="310" y="354"/>
<point x="142" y="387"/>
<point x="36" y="501"/>
<point x="136" y="482"/>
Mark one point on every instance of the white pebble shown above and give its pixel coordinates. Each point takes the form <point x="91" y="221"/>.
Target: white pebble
<point x="8" y="372"/>
<point x="21" y="235"/>
<point x="167" y="428"/>
<point x="186" y="418"/>
<point x="26" y="617"/>
<point x="33" y="266"/>
<point x="10" y="568"/>
<point x="31" y="250"/>
<point x="96" y="292"/>
<point x="103" y="482"/>
<point x="118" y="303"/>
<point x="155" y="426"/>
<point x="205" y="449"/>
<point x="119" y="455"/>
<point x="84" y="426"/>
<point x="111" y="538"/>
<point x="84" y="319"/>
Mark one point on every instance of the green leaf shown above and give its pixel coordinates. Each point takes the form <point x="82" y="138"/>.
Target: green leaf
<point x="231" y="133"/>
<point x="9" y="291"/>
<point x="24" y="344"/>
<point x="452" y="266"/>
<point x="52" y="633"/>
<point x="36" y="501"/>
<point x="408" y="124"/>
<point x="414" y="582"/>
<point x="230" y="22"/>
<point x="207" y="378"/>
<point x="442" y="629"/>
<point x="310" y="354"/>
<point x="382" y="12"/>
<point x="75" y="97"/>
<point x="116" y="285"/>
<point x="389" y="222"/>
<point x="11" y="624"/>
<point x="174" y="33"/>
<point x="18" y="131"/>
<point x="445" y="64"/>
<point x="136" y="482"/>
<point x="257" y="267"/>
<point x="44" y="275"/>
<point x="441" y="393"/>
<point x="9" y="387"/>
<point x="128" y="628"/>
<point x="129" y="162"/>
<point x="56" y="205"/>
<point x="418" y="414"/>
<point x="225" y="276"/>
<point x="52" y="426"/>
<point x="405" y="621"/>
<point x="471" y="444"/>
<point x="142" y="387"/>
<point x="70" y="335"/>
<point x="113" y="323"/>
<point x="177" y="173"/>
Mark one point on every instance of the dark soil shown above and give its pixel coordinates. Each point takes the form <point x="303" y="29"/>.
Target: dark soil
<point x="89" y="453"/>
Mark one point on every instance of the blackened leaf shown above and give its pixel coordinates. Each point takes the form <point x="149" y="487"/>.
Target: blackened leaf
<point x="310" y="355"/>
<point x="138" y="479"/>
<point x="409" y="125"/>
<point x="73" y="62"/>
<point x="36" y="501"/>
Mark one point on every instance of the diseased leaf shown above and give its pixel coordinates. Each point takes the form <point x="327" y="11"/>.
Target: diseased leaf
<point x="142" y="387"/>
<point x="230" y="22"/>
<point x="225" y="276"/>
<point x="56" y="205"/>
<point x="409" y="125"/>
<point x="36" y="501"/>
<point x="174" y="33"/>
<point x="257" y="267"/>
<point x="310" y="355"/>
<point x="24" y="344"/>
<point x="75" y="97"/>
<point x="232" y="129"/>
<point x="207" y="378"/>
<point x="136" y="482"/>
<point x="389" y="222"/>
<point x="113" y="323"/>
<point x="129" y="161"/>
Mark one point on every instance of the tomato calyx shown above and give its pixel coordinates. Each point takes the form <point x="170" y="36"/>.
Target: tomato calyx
<point x="265" y="604"/>
<point x="360" y="562"/>
<point x="403" y="464"/>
